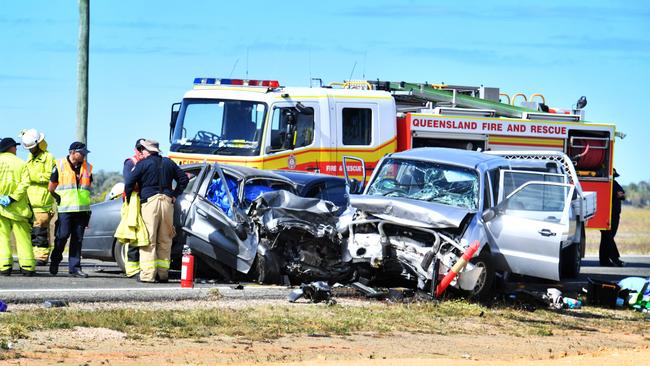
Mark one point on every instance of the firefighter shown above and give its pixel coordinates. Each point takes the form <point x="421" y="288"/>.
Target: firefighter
<point x="608" y="251"/>
<point x="155" y="175"/>
<point x="133" y="252"/>
<point x="14" y="210"/>
<point x="39" y="165"/>
<point x="70" y="184"/>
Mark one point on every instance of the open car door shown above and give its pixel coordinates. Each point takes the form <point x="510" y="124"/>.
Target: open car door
<point x="530" y="226"/>
<point x="217" y="229"/>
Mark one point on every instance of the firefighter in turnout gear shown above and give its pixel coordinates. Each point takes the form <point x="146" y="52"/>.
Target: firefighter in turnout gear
<point x="39" y="165"/>
<point x="155" y="176"/>
<point x="14" y="210"/>
<point x="70" y="183"/>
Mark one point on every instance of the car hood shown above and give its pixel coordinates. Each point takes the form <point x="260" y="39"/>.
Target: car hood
<point x="406" y="211"/>
<point x="279" y="210"/>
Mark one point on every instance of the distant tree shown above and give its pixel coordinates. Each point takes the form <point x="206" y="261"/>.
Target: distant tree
<point x="102" y="183"/>
<point x="638" y="194"/>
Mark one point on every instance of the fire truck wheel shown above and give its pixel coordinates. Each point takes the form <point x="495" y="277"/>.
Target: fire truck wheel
<point x="485" y="285"/>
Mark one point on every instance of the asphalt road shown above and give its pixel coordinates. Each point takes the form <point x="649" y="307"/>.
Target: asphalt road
<point x="106" y="283"/>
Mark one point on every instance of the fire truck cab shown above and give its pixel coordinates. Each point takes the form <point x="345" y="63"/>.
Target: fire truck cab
<point x="269" y="127"/>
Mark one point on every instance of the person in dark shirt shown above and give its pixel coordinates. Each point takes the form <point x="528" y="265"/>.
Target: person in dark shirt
<point x="154" y="176"/>
<point x="70" y="185"/>
<point x="608" y="252"/>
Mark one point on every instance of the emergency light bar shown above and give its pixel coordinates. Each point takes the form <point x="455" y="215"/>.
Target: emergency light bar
<point x="237" y="82"/>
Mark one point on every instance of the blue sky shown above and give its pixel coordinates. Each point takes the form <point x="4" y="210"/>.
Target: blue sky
<point x="145" y="54"/>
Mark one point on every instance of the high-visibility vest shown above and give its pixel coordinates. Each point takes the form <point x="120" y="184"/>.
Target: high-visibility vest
<point x="74" y="197"/>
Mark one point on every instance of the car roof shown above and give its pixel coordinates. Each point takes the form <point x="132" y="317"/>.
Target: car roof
<point x="467" y="158"/>
<point x="305" y="178"/>
<point x="244" y="171"/>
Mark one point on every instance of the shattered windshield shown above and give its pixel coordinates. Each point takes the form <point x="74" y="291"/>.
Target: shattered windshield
<point x="223" y="127"/>
<point x="427" y="181"/>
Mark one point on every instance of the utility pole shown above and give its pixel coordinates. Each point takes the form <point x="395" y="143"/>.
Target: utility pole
<point x="82" y="71"/>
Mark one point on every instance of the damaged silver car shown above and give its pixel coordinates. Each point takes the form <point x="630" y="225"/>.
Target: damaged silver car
<point x="424" y="207"/>
<point x="251" y="223"/>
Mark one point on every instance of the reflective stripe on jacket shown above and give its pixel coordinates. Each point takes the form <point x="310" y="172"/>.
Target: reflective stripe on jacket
<point x="40" y="170"/>
<point x="74" y="197"/>
<point x="14" y="180"/>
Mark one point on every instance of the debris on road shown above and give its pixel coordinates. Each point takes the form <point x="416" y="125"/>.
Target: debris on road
<point x="601" y="293"/>
<point x="54" y="303"/>
<point x="318" y="291"/>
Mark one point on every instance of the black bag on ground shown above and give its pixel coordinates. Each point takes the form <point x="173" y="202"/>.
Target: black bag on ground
<point x="602" y="293"/>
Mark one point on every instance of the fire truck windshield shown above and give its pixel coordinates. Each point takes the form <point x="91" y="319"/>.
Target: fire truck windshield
<point x="223" y="127"/>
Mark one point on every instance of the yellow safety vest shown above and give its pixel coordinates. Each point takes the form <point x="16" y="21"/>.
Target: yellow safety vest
<point x="74" y="197"/>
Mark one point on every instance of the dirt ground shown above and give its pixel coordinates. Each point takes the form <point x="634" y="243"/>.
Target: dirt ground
<point x="98" y="346"/>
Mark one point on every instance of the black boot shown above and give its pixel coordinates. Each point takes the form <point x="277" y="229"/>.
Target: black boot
<point x="6" y="272"/>
<point x="27" y="272"/>
<point x="54" y="268"/>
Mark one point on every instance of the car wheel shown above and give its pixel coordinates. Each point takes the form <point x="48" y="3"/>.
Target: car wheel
<point x="119" y="253"/>
<point x="570" y="260"/>
<point x="266" y="268"/>
<point x="485" y="285"/>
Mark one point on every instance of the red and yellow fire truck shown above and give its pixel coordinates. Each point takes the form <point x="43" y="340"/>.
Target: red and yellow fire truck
<point x="261" y="124"/>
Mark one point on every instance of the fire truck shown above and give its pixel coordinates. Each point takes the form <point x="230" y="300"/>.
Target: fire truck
<point x="261" y="124"/>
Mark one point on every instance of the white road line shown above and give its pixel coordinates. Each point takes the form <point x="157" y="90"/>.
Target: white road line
<point x="136" y="289"/>
<point x="99" y="289"/>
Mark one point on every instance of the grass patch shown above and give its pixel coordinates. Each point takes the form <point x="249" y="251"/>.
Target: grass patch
<point x="269" y="322"/>
<point x="633" y="234"/>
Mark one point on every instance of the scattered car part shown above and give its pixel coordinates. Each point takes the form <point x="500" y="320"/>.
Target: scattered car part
<point x="318" y="291"/>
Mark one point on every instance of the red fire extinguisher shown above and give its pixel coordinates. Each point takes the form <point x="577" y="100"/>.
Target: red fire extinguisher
<point x="187" y="270"/>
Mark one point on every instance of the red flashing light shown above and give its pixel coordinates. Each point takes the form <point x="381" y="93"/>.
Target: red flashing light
<point x="239" y="82"/>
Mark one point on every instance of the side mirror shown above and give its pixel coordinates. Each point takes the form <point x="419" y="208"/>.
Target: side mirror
<point x="290" y="136"/>
<point x="489" y="214"/>
<point x="176" y="107"/>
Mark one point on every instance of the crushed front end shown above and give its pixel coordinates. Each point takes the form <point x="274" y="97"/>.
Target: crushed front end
<point x="413" y="241"/>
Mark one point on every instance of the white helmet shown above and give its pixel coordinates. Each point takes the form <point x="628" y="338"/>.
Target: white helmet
<point x="116" y="191"/>
<point x="30" y="138"/>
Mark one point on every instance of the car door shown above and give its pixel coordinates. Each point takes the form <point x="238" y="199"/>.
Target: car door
<point x="216" y="226"/>
<point x="530" y="227"/>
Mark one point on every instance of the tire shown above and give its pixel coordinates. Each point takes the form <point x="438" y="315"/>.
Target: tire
<point x="485" y="285"/>
<point x="570" y="261"/>
<point x="119" y="253"/>
<point x="571" y="257"/>
<point x="266" y="269"/>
